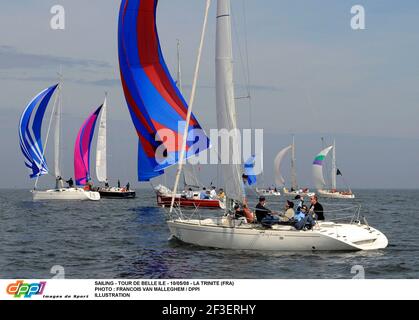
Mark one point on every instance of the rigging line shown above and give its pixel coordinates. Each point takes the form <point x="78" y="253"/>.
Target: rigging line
<point x="345" y="183"/>
<point x="191" y="102"/>
<point x="245" y="70"/>
<point x="246" y="48"/>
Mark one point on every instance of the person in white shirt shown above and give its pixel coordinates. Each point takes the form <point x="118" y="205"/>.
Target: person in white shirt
<point x="189" y="193"/>
<point x="213" y="193"/>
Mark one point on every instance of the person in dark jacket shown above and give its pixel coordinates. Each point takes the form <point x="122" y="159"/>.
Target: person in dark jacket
<point x="70" y="183"/>
<point x="264" y="215"/>
<point x="316" y="208"/>
<point x="261" y="210"/>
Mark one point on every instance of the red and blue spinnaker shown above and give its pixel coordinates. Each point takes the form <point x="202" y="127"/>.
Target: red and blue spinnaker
<point x="30" y="136"/>
<point x="82" y="149"/>
<point x="156" y="106"/>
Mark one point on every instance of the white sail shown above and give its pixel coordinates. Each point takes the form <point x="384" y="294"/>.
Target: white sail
<point x="279" y="179"/>
<point x="57" y="121"/>
<point x="226" y="109"/>
<point x="318" y="163"/>
<point x="101" y="170"/>
<point x="294" y="183"/>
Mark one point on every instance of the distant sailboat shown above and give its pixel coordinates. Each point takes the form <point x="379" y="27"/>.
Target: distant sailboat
<point x="33" y="148"/>
<point x="319" y="180"/>
<point x="101" y="162"/>
<point x="279" y="179"/>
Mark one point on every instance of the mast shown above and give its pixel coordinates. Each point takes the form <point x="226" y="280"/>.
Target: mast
<point x="57" y="117"/>
<point x="334" y="170"/>
<point x="294" y="184"/>
<point x="101" y="163"/>
<point x="226" y="108"/>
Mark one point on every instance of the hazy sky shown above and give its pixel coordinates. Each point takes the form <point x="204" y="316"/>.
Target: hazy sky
<point x="311" y="75"/>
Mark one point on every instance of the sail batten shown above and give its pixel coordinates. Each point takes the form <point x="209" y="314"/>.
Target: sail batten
<point x="153" y="100"/>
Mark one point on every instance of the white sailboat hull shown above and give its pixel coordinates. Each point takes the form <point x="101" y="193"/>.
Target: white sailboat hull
<point x="335" y="195"/>
<point x="222" y="234"/>
<point x="66" y="194"/>
<point x="268" y="193"/>
<point x="286" y="192"/>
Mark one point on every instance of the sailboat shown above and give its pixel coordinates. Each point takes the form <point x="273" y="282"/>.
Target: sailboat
<point x="279" y="179"/>
<point x="190" y="197"/>
<point x="228" y="233"/>
<point x="101" y="162"/>
<point x="319" y="181"/>
<point x="33" y="147"/>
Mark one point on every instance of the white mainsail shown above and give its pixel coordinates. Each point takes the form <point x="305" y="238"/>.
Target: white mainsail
<point x="279" y="179"/>
<point x="294" y="183"/>
<point x="101" y="169"/>
<point x="318" y="163"/>
<point x="334" y="168"/>
<point x="226" y="109"/>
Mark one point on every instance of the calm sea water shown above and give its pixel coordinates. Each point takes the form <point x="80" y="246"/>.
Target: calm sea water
<point x="129" y="239"/>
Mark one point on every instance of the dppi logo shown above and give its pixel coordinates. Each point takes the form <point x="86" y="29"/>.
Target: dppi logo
<point x="19" y="289"/>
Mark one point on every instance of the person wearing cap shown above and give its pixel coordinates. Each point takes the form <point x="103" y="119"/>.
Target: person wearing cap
<point x="303" y="219"/>
<point x="300" y="201"/>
